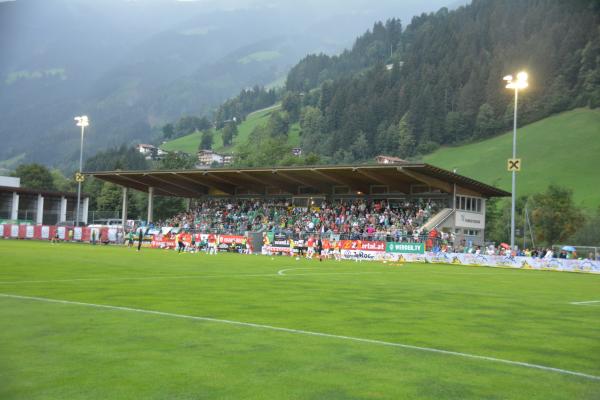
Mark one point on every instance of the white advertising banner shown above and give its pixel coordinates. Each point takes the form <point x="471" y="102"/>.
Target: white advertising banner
<point x="77" y="233"/>
<point x="1" y="230"/>
<point x="553" y="264"/>
<point x="14" y="231"/>
<point x="360" y="255"/>
<point x="112" y="234"/>
<point x="61" y="232"/>
<point x="464" y="219"/>
<point x="45" y="232"/>
<point x="29" y="232"/>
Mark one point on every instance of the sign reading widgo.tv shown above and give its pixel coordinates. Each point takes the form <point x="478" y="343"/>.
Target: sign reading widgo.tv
<point x="414" y="248"/>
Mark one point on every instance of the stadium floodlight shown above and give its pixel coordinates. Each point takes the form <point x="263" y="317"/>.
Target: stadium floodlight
<point x="516" y="85"/>
<point x="82" y="122"/>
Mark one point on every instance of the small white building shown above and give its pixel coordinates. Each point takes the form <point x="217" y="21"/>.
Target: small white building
<point x="381" y="159"/>
<point x="151" y="152"/>
<point x="206" y="158"/>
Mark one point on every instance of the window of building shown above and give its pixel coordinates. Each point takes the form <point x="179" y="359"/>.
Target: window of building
<point x="466" y="203"/>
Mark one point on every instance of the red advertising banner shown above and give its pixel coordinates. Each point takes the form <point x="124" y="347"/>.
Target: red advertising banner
<point x="22" y="231"/>
<point x="229" y="239"/>
<point x="362" y="245"/>
<point x="86" y="234"/>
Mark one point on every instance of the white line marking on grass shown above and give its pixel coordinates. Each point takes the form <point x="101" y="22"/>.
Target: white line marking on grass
<point x="309" y="333"/>
<point x="583" y="303"/>
<point x="133" y="278"/>
<point x="281" y="271"/>
<point x="159" y="277"/>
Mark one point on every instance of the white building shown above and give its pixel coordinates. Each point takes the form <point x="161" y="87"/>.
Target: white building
<point x="32" y="206"/>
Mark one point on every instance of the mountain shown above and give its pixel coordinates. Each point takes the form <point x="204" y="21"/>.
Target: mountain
<point x="406" y="91"/>
<point x="133" y="65"/>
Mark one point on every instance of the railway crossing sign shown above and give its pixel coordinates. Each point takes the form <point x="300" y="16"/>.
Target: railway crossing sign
<point x="514" y="165"/>
<point x="79" y="177"/>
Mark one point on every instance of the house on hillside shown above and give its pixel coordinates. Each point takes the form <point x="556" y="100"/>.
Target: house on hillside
<point x="208" y="158"/>
<point x="151" y="152"/>
<point x="381" y="159"/>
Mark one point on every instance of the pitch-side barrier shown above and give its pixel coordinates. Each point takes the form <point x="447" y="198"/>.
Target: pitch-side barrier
<point x="357" y="250"/>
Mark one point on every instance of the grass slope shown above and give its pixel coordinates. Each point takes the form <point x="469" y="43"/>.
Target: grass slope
<point x="189" y="144"/>
<point x="563" y="149"/>
<point x="60" y="350"/>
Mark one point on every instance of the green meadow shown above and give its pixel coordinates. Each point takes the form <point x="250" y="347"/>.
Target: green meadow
<point x="189" y="144"/>
<point x="563" y="149"/>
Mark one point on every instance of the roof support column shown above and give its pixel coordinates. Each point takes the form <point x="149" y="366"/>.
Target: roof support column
<point x="86" y="210"/>
<point x="39" y="215"/>
<point x="14" y="210"/>
<point x="124" y="209"/>
<point x="150" y="204"/>
<point x="62" y="216"/>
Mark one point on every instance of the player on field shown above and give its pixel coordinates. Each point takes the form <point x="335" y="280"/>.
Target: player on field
<point x="326" y="248"/>
<point x="310" y="248"/>
<point x="180" y="244"/>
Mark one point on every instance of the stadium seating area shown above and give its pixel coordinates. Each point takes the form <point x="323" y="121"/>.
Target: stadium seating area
<point x="353" y="219"/>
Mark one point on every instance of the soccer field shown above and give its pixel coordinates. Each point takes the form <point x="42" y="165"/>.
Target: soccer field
<point x="99" y="322"/>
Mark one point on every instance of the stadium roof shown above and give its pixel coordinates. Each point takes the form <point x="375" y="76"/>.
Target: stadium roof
<point x="292" y="180"/>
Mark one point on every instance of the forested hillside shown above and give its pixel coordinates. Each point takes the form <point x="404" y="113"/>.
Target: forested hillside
<point x="439" y="81"/>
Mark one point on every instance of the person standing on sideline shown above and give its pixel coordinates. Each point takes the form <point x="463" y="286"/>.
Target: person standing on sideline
<point x="93" y="237"/>
<point x="130" y="235"/>
<point x="180" y="245"/>
<point x="320" y="248"/>
<point x="140" y="238"/>
<point x="310" y="243"/>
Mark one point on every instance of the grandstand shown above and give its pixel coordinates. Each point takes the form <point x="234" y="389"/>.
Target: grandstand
<point x="456" y="203"/>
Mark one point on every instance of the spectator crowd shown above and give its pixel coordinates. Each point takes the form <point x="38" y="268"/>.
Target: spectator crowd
<point x="351" y="219"/>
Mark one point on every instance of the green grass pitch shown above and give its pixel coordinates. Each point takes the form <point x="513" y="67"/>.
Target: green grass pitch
<point x="174" y="328"/>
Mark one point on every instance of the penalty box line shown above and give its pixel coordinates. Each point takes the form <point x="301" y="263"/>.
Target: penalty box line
<point x="308" y="333"/>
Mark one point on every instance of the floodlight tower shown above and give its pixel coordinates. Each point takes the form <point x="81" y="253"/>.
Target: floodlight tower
<point x="82" y="121"/>
<point x="519" y="83"/>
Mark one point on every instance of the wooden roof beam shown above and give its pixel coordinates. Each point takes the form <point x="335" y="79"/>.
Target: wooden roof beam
<point x="161" y="188"/>
<point x="354" y="185"/>
<point x="223" y="187"/>
<point x="303" y="182"/>
<point x="437" y="183"/>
